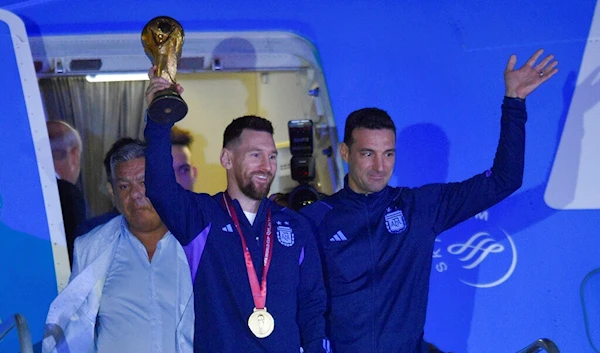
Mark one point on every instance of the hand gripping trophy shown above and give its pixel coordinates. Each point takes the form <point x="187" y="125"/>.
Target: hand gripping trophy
<point x="162" y="38"/>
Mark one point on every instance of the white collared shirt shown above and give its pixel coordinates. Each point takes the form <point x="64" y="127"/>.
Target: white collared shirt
<point x="137" y="309"/>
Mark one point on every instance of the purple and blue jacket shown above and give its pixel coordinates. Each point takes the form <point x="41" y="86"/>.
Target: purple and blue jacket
<point x="296" y="295"/>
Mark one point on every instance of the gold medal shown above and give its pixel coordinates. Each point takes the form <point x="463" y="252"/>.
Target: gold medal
<point x="261" y="323"/>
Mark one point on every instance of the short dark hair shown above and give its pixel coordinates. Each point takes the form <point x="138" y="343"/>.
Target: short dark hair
<point x="116" y="147"/>
<point x="367" y="118"/>
<point x="237" y="126"/>
<point x="181" y="137"/>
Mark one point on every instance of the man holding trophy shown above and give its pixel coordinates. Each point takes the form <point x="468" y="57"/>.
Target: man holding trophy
<point x="256" y="272"/>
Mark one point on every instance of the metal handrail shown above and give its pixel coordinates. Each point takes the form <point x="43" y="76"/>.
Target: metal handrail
<point x="6" y="326"/>
<point x="23" y="332"/>
<point x="542" y="343"/>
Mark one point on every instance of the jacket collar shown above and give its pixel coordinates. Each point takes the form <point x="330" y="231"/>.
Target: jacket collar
<point x="368" y="199"/>
<point x="260" y="213"/>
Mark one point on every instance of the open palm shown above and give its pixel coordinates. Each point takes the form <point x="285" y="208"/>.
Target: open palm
<point x="521" y="82"/>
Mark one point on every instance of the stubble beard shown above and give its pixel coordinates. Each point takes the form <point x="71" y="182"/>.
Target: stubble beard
<point x="252" y="191"/>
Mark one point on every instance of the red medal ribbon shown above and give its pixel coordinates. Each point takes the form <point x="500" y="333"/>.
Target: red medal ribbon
<point x="259" y="291"/>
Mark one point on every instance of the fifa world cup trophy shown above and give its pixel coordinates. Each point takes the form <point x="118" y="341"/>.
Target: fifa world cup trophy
<point x="162" y="38"/>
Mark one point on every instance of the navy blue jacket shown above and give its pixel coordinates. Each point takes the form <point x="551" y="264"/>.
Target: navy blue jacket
<point x="296" y="294"/>
<point x="377" y="248"/>
<point x="73" y="210"/>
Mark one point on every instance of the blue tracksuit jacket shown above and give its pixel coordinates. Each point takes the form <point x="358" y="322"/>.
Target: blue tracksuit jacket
<point x="377" y="248"/>
<point x="296" y="295"/>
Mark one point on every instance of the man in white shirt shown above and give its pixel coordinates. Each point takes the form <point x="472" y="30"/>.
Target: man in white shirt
<point x="131" y="288"/>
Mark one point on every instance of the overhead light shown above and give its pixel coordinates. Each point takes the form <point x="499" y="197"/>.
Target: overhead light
<point x="117" y="77"/>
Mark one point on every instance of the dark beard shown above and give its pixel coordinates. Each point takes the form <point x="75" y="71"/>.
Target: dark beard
<point x="250" y="190"/>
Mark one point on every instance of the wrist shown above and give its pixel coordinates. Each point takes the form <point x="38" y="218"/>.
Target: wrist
<point x="512" y="94"/>
<point x="515" y="98"/>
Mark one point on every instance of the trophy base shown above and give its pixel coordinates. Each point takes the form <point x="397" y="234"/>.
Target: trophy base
<point x="167" y="108"/>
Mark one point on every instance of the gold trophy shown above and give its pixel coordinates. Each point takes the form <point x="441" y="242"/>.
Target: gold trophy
<point x="162" y="38"/>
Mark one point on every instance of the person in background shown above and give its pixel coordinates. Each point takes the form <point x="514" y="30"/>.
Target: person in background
<point x="185" y="171"/>
<point x="66" y="147"/>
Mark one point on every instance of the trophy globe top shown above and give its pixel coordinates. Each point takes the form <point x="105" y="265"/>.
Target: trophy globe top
<point x="162" y="38"/>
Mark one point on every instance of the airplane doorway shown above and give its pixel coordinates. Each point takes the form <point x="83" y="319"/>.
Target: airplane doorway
<point x="225" y="75"/>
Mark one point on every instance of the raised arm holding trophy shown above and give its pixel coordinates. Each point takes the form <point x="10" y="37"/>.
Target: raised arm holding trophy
<point x="237" y="241"/>
<point x="162" y="38"/>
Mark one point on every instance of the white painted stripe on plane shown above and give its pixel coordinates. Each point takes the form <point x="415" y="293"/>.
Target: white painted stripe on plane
<point x="573" y="182"/>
